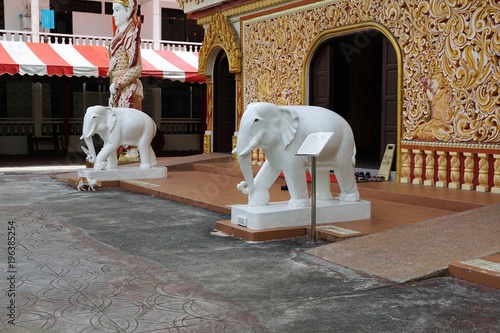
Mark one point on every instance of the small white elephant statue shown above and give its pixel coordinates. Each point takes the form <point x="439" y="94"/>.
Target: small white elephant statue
<point x="280" y="131"/>
<point x="118" y="127"/>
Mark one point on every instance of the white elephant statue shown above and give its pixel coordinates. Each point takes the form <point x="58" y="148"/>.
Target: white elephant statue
<point x="280" y="131"/>
<point x="118" y="127"/>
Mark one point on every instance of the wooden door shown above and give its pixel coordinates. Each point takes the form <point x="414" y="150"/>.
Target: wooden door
<point x="389" y="121"/>
<point x="321" y="77"/>
<point x="224" y="105"/>
<point x="359" y="82"/>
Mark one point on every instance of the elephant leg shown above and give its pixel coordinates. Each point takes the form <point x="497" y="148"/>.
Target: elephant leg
<point x="263" y="181"/>
<point x="145" y="155"/>
<point x="152" y="156"/>
<point x="295" y="177"/>
<point x="112" y="160"/>
<point x="344" y="172"/>
<point x="323" y="187"/>
<point x="104" y="157"/>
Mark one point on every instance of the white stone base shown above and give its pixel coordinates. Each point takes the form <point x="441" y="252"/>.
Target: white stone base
<point x="124" y="173"/>
<point x="279" y="214"/>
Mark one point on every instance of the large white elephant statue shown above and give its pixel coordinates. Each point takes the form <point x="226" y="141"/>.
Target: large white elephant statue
<point x="280" y="131"/>
<point x="118" y="127"/>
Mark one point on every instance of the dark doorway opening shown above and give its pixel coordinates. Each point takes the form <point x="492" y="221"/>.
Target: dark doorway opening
<point x="224" y="111"/>
<point x="349" y="75"/>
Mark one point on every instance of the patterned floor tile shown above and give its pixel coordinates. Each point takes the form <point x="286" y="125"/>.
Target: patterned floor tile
<point x="68" y="282"/>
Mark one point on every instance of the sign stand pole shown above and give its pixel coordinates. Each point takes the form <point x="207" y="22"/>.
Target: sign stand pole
<point x="312" y="147"/>
<point x="313" y="199"/>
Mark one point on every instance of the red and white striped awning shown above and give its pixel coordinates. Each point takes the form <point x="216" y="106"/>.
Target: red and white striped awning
<point x="91" y="61"/>
<point x="173" y="65"/>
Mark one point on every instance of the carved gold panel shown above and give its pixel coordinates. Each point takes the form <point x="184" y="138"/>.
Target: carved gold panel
<point x="450" y="61"/>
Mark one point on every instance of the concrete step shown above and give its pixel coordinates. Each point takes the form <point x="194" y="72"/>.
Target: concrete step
<point x="485" y="271"/>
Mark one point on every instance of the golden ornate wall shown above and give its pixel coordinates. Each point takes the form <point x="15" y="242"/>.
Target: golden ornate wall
<point x="450" y="52"/>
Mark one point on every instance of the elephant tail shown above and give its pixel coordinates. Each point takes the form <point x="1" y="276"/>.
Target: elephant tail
<point x="354" y="156"/>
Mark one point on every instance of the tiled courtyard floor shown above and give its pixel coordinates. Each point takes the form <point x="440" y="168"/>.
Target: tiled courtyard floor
<point x="119" y="261"/>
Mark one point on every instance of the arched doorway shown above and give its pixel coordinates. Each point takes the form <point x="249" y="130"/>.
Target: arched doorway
<point x="224" y="88"/>
<point x="356" y="76"/>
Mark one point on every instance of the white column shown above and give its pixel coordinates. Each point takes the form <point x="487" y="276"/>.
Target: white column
<point x="156" y="16"/>
<point x="35" y="21"/>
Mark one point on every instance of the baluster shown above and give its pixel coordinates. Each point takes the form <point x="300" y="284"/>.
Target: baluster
<point x="454" y="170"/>
<point x="496" y="174"/>
<point x="429" y="168"/>
<point x="442" y="164"/>
<point x="468" y="172"/>
<point x="262" y="157"/>
<point x="255" y="156"/>
<point x="417" y="166"/>
<point x="405" y="170"/>
<point x="482" y="177"/>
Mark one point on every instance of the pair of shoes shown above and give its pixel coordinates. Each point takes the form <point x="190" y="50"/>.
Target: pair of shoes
<point x="361" y="177"/>
<point x="367" y="177"/>
<point x="284" y="187"/>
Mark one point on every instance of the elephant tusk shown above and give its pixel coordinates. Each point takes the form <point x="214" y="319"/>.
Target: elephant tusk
<point x="249" y="149"/>
<point x="253" y="144"/>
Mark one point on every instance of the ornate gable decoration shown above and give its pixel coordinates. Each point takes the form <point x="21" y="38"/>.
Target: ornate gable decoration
<point x="182" y="2"/>
<point x="220" y="33"/>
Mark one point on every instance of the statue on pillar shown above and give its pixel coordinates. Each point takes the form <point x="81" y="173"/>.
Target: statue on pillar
<point x="125" y="64"/>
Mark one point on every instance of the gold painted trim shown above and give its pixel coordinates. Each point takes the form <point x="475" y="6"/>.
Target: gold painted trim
<point x="220" y="34"/>
<point x="353" y="28"/>
<point x="207" y="139"/>
<point x="298" y="9"/>
<point x="452" y="145"/>
<point x="243" y="9"/>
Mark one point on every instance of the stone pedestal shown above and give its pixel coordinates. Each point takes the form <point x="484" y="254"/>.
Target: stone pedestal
<point x="279" y="214"/>
<point x="124" y="173"/>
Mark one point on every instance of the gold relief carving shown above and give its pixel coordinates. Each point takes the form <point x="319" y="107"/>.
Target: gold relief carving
<point x="438" y="125"/>
<point x="243" y="9"/>
<point x="182" y="2"/>
<point x="210" y="104"/>
<point x="239" y="100"/>
<point x="234" y="140"/>
<point x="463" y="35"/>
<point x="220" y="33"/>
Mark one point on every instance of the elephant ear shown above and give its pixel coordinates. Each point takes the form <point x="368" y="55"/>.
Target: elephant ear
<point x="289" y="123"/>
<point x="111" y="118"/>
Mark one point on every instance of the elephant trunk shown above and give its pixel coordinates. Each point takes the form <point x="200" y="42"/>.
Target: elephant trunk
<point x="244" y="152"/>
<point x="246" y="169"/>
<point x="253" y="144"/>
<point x="91" y="155"/>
